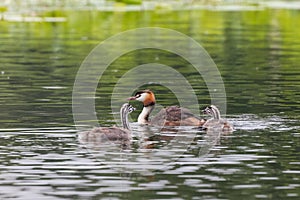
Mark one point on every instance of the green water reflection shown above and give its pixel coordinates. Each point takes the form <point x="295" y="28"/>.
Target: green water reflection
<point x="257" y="53"/>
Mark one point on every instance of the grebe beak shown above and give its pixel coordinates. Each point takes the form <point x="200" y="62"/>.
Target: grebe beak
<point x="131" y="98"/>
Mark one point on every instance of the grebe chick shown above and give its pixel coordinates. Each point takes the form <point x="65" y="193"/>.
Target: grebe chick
<point x="216" y="122"/>
<point x="103" y="134"/>
<point x="169" y="116"/>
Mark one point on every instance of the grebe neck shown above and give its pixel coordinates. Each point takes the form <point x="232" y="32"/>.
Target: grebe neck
<point x="216" y="113"/>
<point x="144" y="116"/>
<point x="124" y="118"/>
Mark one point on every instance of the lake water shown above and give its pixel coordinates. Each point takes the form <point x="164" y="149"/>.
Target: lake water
<point x="257" y="53"/>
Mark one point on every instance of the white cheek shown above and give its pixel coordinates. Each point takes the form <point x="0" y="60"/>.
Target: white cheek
<point x="142" y="97"/>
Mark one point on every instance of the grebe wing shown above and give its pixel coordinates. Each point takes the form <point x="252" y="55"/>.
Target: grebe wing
<point x="175" y="116"/>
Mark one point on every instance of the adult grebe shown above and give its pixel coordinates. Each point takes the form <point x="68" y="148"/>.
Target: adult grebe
<point x="169" y="116"/>
<point x="102" y="134"/>
<point x="216" y="122"/>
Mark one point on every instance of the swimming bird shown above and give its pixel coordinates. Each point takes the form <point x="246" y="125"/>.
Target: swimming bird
<point x="169" y="116"/>
<point x="102" y="134"/>
<point x="216" y="122"/>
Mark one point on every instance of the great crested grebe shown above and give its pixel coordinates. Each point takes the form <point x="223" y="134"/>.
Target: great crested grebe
<point x="102" y="134"/>
<point x="216" y="122"/>
<point x="169" y="116"/>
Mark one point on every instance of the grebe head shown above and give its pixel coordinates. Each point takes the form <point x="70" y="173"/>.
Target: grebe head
<point x="127" y="108"/>
<point x="213" y="111"/>
<point x="145" y="96"/>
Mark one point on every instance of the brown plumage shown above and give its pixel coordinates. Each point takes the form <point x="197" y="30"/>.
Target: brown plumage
<point x="104" y="134"/>
<point x="176" y="116"/>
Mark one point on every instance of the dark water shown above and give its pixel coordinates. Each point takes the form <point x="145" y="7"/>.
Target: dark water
<point x="257" y="53"/>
